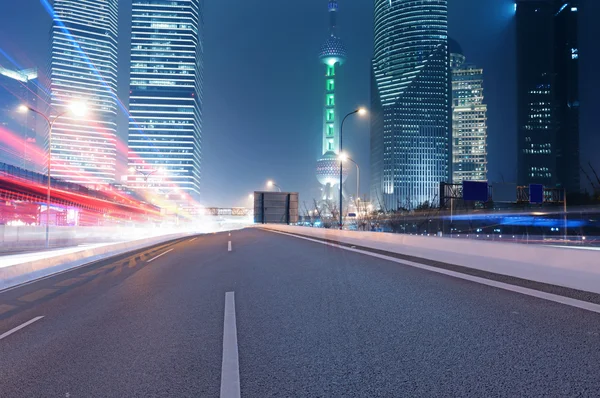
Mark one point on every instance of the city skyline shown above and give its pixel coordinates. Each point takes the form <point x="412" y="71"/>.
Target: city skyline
<point x="249" y="118"/>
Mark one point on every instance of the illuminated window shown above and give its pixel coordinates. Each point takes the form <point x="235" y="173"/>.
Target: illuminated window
<point x="330" y="145"/>
<point x="330" y="100"/>
<point x="330" y="84"/>
<point x="330" y="115"/>
<point x="330" y="129"/>
<point x="330" y="70"/>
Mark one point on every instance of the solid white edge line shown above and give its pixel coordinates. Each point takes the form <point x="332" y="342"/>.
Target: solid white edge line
<point x="37" y="318"/>
<point x="230" y="370"/>
<point x="501" y="285"/>
<point x="161" y="254"/>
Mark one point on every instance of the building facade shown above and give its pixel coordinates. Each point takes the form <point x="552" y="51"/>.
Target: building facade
<point x="83" y="67"/>
<point x="332" y="56"/>
<point x="410" y="103"/>
<point x="469" y="121"/>
<point x="19" y="87"/>
<point x="548" y="93"/>
<point x="165" y="99"/>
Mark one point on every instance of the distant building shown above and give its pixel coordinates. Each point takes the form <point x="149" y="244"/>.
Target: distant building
<point x="411" y="112"/>
<point x="19" y="87"/>
<point x="165" y="100"/>
<point x="548" y="93"/>
<point x="83" y="67"/>
<point x="469" y="120"/>
<point x="332" y="56"/>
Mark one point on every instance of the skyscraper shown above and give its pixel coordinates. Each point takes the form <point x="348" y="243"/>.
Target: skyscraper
<point x="19" y="87"/>
<point x="83" y="67"/>
<point x="410" y="103"/>
<point x="548" y="93"/>
<point x="333" y="56"/>
<point x="165" y="99"/>
<point x="469" y="120"/>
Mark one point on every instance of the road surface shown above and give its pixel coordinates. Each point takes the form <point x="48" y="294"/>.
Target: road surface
<point x="287" y="318"/>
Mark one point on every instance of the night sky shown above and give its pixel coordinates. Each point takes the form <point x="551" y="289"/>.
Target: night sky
<point x="263" y="84"/>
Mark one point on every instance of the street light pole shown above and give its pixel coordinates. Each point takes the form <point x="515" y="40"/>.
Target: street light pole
<point x="361" y="111"/>
<point x="270" y="183"/>
<point x="75" y="108"/>
<point x="343" y="158"/>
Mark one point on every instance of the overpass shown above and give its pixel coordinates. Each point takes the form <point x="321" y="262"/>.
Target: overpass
<point x="306" y="312"/>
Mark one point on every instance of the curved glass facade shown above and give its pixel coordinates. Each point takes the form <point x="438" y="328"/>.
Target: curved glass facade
<point x="83" y="67"/>
<point x="165" y="99"/>
<point x="410" y="103"/>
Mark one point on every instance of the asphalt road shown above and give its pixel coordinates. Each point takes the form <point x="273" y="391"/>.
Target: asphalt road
<point x="311" y="320"/>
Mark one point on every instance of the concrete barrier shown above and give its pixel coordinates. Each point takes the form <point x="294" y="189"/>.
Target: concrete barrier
<point x="25" y="272"/>
<point x="573" y="268"/>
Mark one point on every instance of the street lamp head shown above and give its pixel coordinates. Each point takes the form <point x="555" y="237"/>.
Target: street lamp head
<point x="362" y="111"/>
<point x="132" y="169"/>
<point x="342" y="157"/>
<point x="78" y="109"/>
<point x="23" y="108"/>
<point x="250" y="196"/>
<point x="270" y="183"/>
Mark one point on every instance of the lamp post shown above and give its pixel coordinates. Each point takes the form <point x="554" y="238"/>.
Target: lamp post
<point x="343" y="157"/>
<point x="77" y="109"/>
<point x="360" y="111"/>
<point x="271" y="184"/>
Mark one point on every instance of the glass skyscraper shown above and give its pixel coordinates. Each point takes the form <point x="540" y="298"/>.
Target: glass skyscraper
<point x="410" y="103"/>
<point x="469" y="120"/>
<point x="548" y="93"/>
<point x="165" y="100"/>
<point x="83" y="67"/>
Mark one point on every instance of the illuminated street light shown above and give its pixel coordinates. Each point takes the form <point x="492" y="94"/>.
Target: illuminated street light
<point x="78" y="109"/>
<point x="361" y="111"/>
<point x="271" y="184"/>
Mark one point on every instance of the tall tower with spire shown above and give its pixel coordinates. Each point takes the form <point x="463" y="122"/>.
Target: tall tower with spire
<point x="332" y="55"/>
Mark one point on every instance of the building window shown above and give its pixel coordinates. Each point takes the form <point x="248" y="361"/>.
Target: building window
<point x="330" y="100"/>
<point x="330" y="84"/>
<point x="330" y="115"/>
<point x="330" y="70"/>
<point x="330" y="129"/>
<point x="330" y="145"/>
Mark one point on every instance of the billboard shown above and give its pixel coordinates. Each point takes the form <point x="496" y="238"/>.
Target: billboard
<point x="276" y="207"/>
<point x="536" y="193"/>
<point x="476" y="191"/>
<point x="504" y="192"/>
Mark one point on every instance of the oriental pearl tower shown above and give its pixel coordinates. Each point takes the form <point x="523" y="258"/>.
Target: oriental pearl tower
<point x="332" y="55"/>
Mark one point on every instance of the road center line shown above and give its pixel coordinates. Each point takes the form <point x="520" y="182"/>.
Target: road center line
<point x="37" y="318"/>
<point x="230" y="370"/>
<point x="483" y="281"/>
<point x="161" y="254"/>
